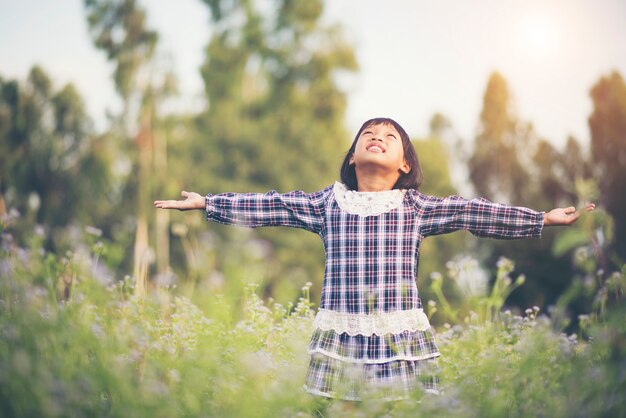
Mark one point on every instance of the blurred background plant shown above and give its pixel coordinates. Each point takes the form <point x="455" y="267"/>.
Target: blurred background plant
<point x="276" y="71"/>
<point x="110" y="308"/>
<point x="79" y="343"/>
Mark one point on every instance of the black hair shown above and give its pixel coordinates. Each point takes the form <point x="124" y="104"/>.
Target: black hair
<point x="411" y="180"/>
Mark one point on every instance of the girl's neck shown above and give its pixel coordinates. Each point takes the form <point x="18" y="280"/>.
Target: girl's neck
<point x="374" y="183"/>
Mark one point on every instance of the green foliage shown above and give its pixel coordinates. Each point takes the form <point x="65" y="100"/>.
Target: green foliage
<point x="477" y="304"/>
<point x="275" y="113"/>
<point x="51" y="164"/>
<point x="608" y="149"/>
<point x="75" y="341"/>
<point x="75" y="345"/>
<point x="496" y="168"/>
<point x="510" y="164"/>
<point x="436" y="251"/>
<point x="274" y="121"/>
<point x="119" y="28"/>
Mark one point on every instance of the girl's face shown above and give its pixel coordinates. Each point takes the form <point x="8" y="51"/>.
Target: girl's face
<point x="380" y="146"/>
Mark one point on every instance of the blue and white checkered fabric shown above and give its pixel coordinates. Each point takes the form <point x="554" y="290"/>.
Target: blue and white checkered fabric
<point x="386" y="381"/>
<point x="371" y="268"/>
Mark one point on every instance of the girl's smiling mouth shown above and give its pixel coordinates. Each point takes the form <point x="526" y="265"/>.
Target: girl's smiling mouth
<point x="376" y="148"/>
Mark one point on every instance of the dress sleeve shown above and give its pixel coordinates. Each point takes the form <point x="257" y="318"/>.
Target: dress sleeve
<point x="295" y="209"/>
<point x="479" y="216"/>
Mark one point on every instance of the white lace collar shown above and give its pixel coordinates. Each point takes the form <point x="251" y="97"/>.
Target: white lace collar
<point x="367" y="203"/>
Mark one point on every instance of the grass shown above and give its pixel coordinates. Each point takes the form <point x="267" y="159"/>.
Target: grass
<point x="74" y="344"/>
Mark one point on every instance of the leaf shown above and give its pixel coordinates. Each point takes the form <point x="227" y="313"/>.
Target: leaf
<point x="569" y="240"/>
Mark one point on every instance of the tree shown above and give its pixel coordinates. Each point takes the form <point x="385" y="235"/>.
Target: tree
<point x="608" y="149"/>
<point x="275" y="115"/>
<point x="435" y="158"/>
<point x="50" y="160"/>
<point x="497" y="169"/>
<point x="511" y="164"/>
<point x="119" y="28"/>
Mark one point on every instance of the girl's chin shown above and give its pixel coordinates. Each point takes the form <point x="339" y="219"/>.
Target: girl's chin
<point x="375" y="165"/>
<point x="380" y="158"/>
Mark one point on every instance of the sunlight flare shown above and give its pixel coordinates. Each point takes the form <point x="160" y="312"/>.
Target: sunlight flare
<point x="538" y="35"/>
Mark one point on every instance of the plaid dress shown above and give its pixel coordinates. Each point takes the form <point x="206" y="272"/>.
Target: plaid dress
<point x="371" y="336"/>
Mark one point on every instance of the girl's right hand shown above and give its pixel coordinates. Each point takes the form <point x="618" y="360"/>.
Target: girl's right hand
<point x="191" y="201"/>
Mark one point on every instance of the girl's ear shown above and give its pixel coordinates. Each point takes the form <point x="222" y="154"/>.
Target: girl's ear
<point x="351" y="161"/>
<point x="405" y="168"/>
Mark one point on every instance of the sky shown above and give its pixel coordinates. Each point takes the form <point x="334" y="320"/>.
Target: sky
<point x="415" y="58"/>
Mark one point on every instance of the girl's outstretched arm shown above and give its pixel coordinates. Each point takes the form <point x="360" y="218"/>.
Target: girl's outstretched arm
<point x="295" y="209"/>
<point x="487" y="219"/>
<point x="192" y="200"/>
<point x="565" y="216"/>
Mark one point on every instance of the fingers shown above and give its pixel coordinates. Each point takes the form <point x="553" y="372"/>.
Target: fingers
<point x="569" y="210"/>
<point x="589" y="207"/>
<point x="171" y="204"/>
<point x="574" y="214"/>
<point x="165" y="204"/>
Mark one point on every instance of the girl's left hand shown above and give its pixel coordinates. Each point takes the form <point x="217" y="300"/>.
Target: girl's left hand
<point x="565" y="216"/>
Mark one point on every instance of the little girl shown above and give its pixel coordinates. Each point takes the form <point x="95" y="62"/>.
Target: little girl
<point x="371" y="336"/>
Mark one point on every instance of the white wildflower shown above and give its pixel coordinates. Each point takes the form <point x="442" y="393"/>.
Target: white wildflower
<point x="470" y="277"/>
<point x="92" y="230"/>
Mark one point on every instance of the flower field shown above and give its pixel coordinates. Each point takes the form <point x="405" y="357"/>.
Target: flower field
<point x="75" y="345"/>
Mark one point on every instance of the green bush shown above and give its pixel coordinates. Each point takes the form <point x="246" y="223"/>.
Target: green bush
<point x="76" y="344"/>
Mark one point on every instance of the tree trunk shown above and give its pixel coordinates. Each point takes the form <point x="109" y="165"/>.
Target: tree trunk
<point x="162" y="216"/>
<point x="144" y="145"/>
<point x="3" y="207"/>
<point x="141" y="257"/>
